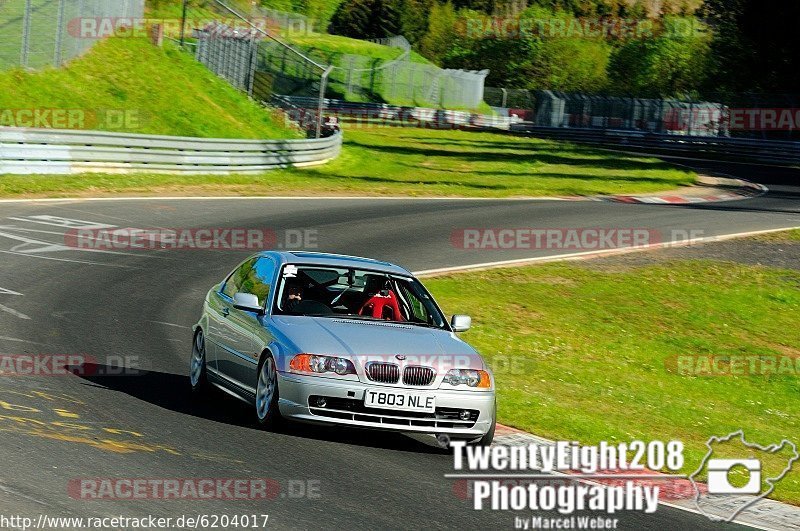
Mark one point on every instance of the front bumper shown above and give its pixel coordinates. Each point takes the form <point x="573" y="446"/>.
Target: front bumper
<point x="346" y="407"/>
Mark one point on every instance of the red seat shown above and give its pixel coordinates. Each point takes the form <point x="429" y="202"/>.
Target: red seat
<point x="383" y="307"/>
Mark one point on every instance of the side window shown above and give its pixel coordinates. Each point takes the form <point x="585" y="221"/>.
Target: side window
<point x="417" y="307"/>
<point x="234" y="283"/>
<point x="259" y="279"/>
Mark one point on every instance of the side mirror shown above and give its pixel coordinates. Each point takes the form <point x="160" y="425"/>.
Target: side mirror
<point x="247" y="302"/>
<point x="460" y="323"/>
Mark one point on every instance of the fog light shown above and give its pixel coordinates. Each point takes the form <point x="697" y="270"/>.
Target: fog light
<point x="321" y="402"/>
<point x="464" y="415"/>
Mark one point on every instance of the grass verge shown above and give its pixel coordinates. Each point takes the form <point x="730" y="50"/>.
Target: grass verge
<point x="128" y="85"/>
<point x="402" y="161"/>
<point x="589" y="353"/>
<point x="782" y="236"/>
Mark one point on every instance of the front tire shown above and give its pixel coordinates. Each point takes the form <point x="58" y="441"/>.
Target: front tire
<point x="197" y="365"/>
<point x="487" y="439"/>
<point x="267" y="412"/>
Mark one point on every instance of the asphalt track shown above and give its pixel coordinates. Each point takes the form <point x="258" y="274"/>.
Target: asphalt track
<point x="139" y="305"/>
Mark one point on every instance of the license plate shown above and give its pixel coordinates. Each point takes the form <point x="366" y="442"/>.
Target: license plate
<point x="399" y="400"/>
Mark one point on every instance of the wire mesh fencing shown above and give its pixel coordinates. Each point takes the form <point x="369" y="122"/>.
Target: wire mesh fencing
<point x="287" y="65"/>
<point x="764" y="116"/>
<point x="517" y="101"/>
<point x="278" y="70"/>
<point x="39" y="33"/>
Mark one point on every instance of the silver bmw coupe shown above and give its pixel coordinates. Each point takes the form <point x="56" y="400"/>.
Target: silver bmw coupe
<point x="341" y="340"/>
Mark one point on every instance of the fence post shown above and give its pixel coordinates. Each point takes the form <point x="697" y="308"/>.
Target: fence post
<point x="323" y="81"/>
<point x="393" y="81"/>
<point x="349" y="75"/>
<point x="59" y="34"/>
<point x="253" y="64"/>
<point x="504" y="102"/>
<point x="183" y="22"/>
<point x="26" y="34"/>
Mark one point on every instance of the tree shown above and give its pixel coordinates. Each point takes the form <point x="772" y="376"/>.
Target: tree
<point x="415" y="16"/>
<point x="441" y="34"/>
<point x="673" y="62"/>
<point x="366" y="19"/>
<point x="755" y="45"/>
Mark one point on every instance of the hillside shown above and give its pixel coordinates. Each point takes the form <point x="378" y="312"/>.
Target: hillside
<point x="156" y="90"/>
<point x="330" y="46"/>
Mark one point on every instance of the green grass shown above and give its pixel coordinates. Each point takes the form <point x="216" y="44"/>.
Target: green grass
<point x="582" y="353"/>
<point x="196" y="10"/>
<point x="781" y="236"/>
<point x="319" y="10"/>
<point x="164" y="89"/>
<point x="333" y="45"/>
<point x="403" y="161"/>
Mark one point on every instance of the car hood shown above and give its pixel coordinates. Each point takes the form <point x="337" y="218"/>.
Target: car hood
<point x="365" y="341"/>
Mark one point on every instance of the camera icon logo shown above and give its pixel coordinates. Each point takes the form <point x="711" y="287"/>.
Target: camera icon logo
<point x="724" y="496"/>
<point x="719" y="476"/>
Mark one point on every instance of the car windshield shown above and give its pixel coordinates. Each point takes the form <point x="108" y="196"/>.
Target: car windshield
<point x="324" y="291"/>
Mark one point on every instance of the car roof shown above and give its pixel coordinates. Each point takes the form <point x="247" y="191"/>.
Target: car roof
<point x="335" y="260"/>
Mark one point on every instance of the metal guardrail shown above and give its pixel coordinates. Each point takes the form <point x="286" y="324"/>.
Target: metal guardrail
<point x="356" y="111"/>
<point x="727" y="148"/>
<point x="47" y="151"/>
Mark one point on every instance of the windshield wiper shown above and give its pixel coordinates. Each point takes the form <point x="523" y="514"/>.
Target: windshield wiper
<point x="347" y="316"/>
<point x="375" y="319"/>
<point x="426" y="325"/>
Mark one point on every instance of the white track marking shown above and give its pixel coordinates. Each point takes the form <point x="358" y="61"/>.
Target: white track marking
<point x="20" y="229"/>
<point x="17" y="340"/>
<point x="115" y="218"/>
<point x="47" y="247"/>
<point x="4" y="291"/>
<point x="67" y="260"/>
<point x="593" y="254"/>
<point x="66" y="223"/>
<point x="170" y="324"/>
<point x="13" y="312"/>
<point x="39" y="246"/>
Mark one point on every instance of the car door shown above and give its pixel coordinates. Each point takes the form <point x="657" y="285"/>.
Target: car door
<point x="237" y="359"/>
<point x="220" y="304"/>
<point x="220" y="332"/>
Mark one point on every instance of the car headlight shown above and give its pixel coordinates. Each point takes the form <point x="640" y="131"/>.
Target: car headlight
<point x="310" y="363"/>
<point x="468" y="377"/>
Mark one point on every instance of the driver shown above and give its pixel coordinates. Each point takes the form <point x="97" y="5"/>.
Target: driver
<point x="294" y="297"/>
